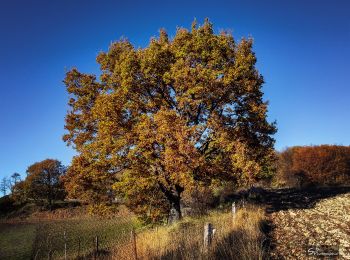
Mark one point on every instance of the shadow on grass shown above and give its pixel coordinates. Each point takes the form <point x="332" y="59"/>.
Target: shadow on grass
<point x="290" y="198"/>
<point x="101" y="255"/>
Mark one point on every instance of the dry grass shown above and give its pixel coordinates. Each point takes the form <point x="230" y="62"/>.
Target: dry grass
<point x="238" y="238"/>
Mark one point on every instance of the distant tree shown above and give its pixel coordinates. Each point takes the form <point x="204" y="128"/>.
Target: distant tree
<point x="15" y="178"/>
<point x="285" y="176"/>
<point x="167" y="116"/>
<point x="20" y="192"/>
<point x="4" y="185"/>
<point x="43" y="181"/>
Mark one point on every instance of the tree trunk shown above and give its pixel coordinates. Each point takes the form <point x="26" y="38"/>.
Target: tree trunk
<point x="175" y="211"/>
<point x="174" y="198"/>
<point x="49" y="198"/>
<point x="177" y="207"/>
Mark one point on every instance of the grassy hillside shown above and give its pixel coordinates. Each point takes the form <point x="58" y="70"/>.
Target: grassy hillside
<point x="238" y="238"/>
<point x="44" y="238"/>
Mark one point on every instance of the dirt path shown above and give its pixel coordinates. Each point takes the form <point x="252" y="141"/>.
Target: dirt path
<point x="325" y="222"/>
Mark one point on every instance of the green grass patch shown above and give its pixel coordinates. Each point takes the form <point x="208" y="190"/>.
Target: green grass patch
<point x="16" y="241"/>
<point x="79" y="236"/>
<point x="39" y="240"/>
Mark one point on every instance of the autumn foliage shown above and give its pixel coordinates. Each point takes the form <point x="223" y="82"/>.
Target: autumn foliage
<point x="314" y="165"/>
<point x="165" y="119"/>
<point x="42" y="184"/>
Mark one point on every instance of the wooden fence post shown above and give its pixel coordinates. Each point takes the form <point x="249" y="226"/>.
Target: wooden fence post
<point x="79" y="242"/>
<point x="208" y="236"/>
<point x="65" y="245"/>
<point x="133" y="242"/>
<point x="243" y="203"/>
<point x="96" y="247"/>
<point x="233" y="208"/>
<point x="49" y="243"/>
<point x="233" y="211"/>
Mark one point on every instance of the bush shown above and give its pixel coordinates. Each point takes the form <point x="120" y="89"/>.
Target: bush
<point x="200" y="199"/>
<point x="102" y="210"/>
<point x="6" y="204"/>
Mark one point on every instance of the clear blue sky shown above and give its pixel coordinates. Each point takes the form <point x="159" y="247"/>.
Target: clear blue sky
<point x="302" y="47"/>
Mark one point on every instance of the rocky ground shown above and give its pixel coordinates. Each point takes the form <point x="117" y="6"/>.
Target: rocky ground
<point x="324" y="222"/>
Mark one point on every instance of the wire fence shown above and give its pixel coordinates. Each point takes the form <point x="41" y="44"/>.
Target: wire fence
<point x="124" y="238"/>
<point x="65" y="239"/>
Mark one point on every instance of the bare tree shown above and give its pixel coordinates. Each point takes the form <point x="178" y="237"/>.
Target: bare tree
<point x="4" y="185"/>
<point x="15" y="178"/>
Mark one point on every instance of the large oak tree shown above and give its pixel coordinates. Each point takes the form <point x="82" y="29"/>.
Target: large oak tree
<point x="163" y="118"/>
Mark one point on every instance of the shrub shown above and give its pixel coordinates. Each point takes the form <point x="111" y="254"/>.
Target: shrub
<point x="6" y="204"/>
<point x="102" y="210"/>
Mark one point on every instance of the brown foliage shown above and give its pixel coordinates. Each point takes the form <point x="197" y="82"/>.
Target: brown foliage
<point x="166" y="116"/>
<point x="314" y="165"/>
<point x="42" y="183"/>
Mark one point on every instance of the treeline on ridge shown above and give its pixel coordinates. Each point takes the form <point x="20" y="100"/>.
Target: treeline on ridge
<point x="296" y="167"/>
<point x="305" y="166"/>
